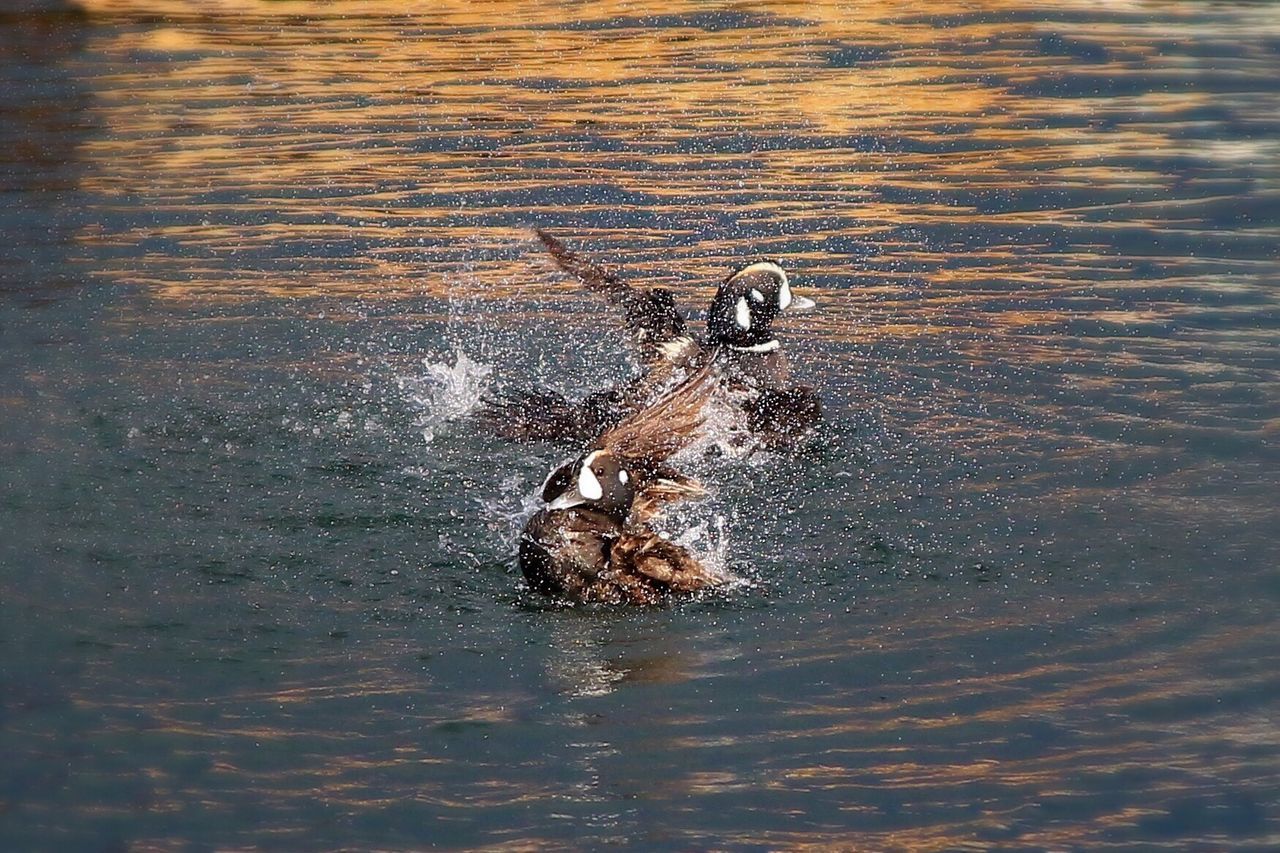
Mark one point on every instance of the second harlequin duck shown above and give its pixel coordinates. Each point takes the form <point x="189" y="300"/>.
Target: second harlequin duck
<point x="592" y="542"/>
<point x="739" y="327"/>
<point x="739" y="336"/>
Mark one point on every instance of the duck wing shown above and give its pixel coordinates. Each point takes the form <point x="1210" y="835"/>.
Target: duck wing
<point x="648" y="437"/>
<point x="532" y="414"/>
<point x="640" y="551"/>
<point x="666" y="487"/>
<point x="655" y="323"/>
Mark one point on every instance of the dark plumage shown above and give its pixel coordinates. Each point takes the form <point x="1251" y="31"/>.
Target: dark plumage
<point x="537" y="415"/>
<point x="601" y="550"/>
<point x="782" y="416"/>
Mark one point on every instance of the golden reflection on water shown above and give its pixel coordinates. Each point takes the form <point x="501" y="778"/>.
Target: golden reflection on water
<point x="973" y="180"/>
<point x="845" y="746"/>
<point x="976" y="180"/>
<point x="291" y="148"/>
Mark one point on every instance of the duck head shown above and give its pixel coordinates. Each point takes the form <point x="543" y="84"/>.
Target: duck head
<point x="746" y="304"/>
<point x="597" y="480"/>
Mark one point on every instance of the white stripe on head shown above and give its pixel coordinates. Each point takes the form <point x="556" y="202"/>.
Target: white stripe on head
<point x="756" y="295"/>
<point x="784" y="294"/>
<point x="763" y="266"/>
<point x="742" y="314"/>
<point x="588" y="485"/>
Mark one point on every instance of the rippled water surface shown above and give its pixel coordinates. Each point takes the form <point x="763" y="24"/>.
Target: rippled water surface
<point x="256" y="572"/>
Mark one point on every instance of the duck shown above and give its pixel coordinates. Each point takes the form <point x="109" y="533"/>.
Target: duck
<point x="593" y="540"/>
<point x="739" y="336"/>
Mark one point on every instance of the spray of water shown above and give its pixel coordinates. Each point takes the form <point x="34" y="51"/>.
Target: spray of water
<point x="445" y="392"/>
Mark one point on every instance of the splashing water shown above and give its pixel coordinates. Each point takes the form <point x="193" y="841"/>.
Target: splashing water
<point x="507" y="511"/>
<point x="445" y="392"/>
<point x="708" y="541"/>
<point x="724" y="434"/>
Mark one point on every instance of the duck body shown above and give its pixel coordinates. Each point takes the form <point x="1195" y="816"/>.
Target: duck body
<point x="593" y="542"/>
<point x="565" y="553"/>
<point x="739" y="338"/>
<point x="585" y="556"/>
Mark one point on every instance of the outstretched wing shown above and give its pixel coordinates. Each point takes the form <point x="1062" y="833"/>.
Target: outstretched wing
<point x="654" y="434"/>
<point x="651" y="316"/>
<point x="532" y="415"/>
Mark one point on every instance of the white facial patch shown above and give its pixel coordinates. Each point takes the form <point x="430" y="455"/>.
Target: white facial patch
<point x="784" y="294"/>
<point x="756" y="295"/>
<point x="588" y="485"/>
<point x="623" y="477"/>
<point x="742" y="314"/>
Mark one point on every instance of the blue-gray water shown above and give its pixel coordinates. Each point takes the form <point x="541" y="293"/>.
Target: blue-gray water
<point x="257" y="589"/>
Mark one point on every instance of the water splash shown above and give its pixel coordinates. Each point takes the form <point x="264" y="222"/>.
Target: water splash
<point x="507" y="511"/>
<point x="708" y="541"/>
<point x="445" y="392"/>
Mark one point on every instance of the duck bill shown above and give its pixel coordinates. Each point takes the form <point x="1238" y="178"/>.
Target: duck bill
<point x="800" y="305"/>
<point x="568" y="500"/>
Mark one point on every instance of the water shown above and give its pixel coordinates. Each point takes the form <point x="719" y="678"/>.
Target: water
<point x="256" y="573"/>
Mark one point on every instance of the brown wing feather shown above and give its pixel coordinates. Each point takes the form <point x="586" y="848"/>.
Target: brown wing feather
<point x="641" y="551"/>
<point x="651" y="315"/>
<point x="666" y="487"/>
<point x="596" y="278"/>
<point x="656" y="433"/>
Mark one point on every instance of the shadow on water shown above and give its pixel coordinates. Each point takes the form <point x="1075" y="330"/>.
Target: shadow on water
<point x="256" y="582"/>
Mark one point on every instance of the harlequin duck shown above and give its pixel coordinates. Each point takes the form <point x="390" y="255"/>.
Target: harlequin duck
<point x="591" y="544"/>
<point x="739" y="335"/>
<point x="739" y="327"/>
<point x="592" y="541"/>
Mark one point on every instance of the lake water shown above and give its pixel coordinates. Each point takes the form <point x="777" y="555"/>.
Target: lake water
<point x="257" y="582"/>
